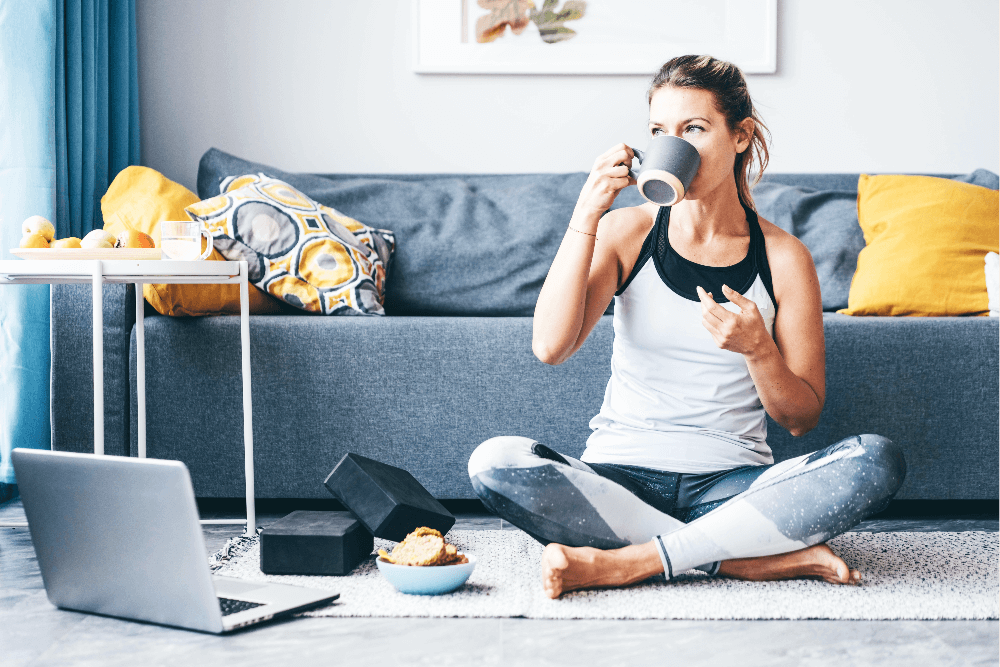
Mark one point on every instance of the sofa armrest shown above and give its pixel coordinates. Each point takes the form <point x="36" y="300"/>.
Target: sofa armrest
<point x="72" y="391"/>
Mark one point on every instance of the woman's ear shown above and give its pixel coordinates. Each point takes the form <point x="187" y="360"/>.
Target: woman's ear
<point x="744" y="134"/>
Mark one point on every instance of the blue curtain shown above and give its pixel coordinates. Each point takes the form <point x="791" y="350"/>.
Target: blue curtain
<point x="69" y="122"/>
<point x="27" y="187"/>
<point x="97" y="106"/>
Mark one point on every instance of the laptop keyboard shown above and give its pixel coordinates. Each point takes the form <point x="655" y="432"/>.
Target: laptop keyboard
<point x="235" y="606"/>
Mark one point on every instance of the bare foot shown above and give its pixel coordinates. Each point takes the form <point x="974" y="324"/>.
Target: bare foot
<point x="567" y="569"/>
<point x="816" y="562"/>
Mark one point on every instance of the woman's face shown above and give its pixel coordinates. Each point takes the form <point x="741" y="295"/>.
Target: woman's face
<point x="691" y="114"/>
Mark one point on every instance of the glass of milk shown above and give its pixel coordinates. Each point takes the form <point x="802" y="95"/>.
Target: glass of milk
<point x="181" y="239"/>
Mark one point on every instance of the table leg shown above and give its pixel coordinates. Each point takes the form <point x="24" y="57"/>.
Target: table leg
<point x="140" y="367"/>
<point x="247" y="399"/>
<point x="97" y="284"/>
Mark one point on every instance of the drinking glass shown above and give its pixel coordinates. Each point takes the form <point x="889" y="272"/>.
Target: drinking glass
<point x="181" y="239"/>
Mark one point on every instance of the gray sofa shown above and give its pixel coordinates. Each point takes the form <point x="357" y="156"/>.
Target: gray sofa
<point x="450" y="365"/>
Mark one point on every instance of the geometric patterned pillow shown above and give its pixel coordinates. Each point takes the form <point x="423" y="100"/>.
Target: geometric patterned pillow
<point x="309" y="255"/>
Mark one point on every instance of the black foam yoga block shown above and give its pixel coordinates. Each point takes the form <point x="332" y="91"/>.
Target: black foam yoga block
<point x="328" y="543"/>
<point x="389" y="501"/>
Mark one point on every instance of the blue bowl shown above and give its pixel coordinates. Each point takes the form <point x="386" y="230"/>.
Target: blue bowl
<point x="429" y="580"/>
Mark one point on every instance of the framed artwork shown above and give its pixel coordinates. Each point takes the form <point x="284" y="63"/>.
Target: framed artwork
<point x="589" y="36"/>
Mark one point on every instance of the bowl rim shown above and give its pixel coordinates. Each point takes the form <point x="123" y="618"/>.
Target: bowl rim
<point x="472" y="561"/>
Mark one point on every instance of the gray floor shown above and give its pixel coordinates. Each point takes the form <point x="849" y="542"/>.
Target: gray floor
<point x="33" y="632"/>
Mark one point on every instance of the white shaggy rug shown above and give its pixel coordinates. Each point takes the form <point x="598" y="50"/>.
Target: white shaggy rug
<point x="934" y="575"/>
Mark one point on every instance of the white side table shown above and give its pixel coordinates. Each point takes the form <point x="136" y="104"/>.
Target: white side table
<point x="139" y="272"/>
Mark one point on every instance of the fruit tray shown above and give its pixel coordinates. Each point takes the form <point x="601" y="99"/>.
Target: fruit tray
<point x="86" y="253"/>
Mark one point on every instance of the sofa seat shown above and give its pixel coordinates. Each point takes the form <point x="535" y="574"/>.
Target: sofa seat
<point x="416" y="392"/>
<point x="422" y="392"/>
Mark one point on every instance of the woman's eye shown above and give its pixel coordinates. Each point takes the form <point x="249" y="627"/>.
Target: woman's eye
<point x="698" y="128"/>
<point x="656" y="131"/>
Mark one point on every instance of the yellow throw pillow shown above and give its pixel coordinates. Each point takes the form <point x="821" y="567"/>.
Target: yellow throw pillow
<point x="925" y="239"/>
<point x="140" y="198"/>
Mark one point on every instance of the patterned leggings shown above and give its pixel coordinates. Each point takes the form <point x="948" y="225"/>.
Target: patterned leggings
<point x="695" y="521"/>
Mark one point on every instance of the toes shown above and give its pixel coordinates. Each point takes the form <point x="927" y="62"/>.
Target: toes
<point x="554" y="557"/>
<point x="552" y="583"/>
<point x="844" y="575"/>
<point x="554" y="561"/>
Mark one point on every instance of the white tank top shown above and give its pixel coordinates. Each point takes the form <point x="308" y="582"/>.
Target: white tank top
<point x="675" y="400"/>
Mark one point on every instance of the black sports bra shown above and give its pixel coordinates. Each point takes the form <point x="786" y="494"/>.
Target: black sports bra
<point x="682" y="276"/>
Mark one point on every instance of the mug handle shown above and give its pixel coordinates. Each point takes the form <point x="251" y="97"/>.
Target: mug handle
<point x="634" y="173"/>
<point x="209" y="246"/>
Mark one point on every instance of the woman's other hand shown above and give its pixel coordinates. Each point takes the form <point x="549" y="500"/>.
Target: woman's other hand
<point x="608" y="177"/>
<point x="740" y="332"/>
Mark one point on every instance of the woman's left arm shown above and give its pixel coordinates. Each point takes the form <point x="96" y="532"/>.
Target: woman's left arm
<point x="789" y="370"/>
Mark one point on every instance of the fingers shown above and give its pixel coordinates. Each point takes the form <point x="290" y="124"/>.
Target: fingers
<point x="619" y="158"/>
<point x="616" y="178"/>
<point x="609" y="176"/>
<point x="619" y="148"/>
<point x="709" y="307"/>
<point x="737" y="298"/>
<point x="618" y="154"/>
<point x="618" y="171"/>
<point x="733" y="295"/>
<point x="715" y="318"/>
<point x="613" y="179"/>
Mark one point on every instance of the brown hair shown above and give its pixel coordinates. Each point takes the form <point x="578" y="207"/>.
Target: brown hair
<point x="732" y="99"/>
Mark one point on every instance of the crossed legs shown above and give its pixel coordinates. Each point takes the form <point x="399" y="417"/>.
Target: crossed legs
<point x="600" y="534"/>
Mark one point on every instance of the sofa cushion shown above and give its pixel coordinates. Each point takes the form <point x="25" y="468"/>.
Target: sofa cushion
<point x="826" y="221"/>
<point x="473" y="245"/>
<point x="821" y="211"/>
<point x="926" y="239"/>
<point x="306" y="254"/>
<point x="140" y="198"/>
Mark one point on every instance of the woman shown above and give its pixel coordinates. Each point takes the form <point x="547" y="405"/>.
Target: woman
<point x="718" y="319"/>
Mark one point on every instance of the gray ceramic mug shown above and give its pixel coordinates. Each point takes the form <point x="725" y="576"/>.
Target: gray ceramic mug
<point x="667" y="168"/>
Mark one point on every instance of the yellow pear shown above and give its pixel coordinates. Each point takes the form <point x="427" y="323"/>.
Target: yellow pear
<point x="70" y="242"/>
<point x="34" y="241"/>
<point x="98" y="239"/>
<point x="36" y="224"/>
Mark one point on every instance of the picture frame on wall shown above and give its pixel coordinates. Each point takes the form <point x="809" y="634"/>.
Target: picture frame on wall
<point x="589" y="36"/>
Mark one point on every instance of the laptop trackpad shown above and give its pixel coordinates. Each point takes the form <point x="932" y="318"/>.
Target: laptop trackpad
<point x="229" y="587"/>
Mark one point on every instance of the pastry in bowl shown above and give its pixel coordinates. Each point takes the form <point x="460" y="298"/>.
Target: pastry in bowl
<point x="424" y="547"/>
<point x="424" y="564"/>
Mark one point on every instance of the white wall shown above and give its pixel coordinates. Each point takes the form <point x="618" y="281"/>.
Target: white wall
<point x="326" y="86"/>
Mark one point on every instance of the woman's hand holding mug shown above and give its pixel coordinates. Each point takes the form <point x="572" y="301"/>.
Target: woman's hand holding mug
<point x="609" y="176"/>
<point x="669" y="165"/>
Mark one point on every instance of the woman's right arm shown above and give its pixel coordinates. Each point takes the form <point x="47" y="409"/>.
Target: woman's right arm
<point x="584" y="275"/>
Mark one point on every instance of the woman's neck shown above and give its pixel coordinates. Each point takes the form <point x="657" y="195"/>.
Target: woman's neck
<point x="720" y="214"/>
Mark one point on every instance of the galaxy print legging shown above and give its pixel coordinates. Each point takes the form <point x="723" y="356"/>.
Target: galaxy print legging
<point x="695" y="521"/>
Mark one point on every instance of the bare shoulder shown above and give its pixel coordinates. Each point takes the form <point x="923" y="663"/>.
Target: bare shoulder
<point x="790" y="260"/>
<point x="624" y="223"/>
<point x="621" y="233"/>
<point x="784" y="250"/>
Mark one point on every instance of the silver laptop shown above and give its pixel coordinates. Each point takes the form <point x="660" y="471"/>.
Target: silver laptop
<point x="120" y="536"/>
